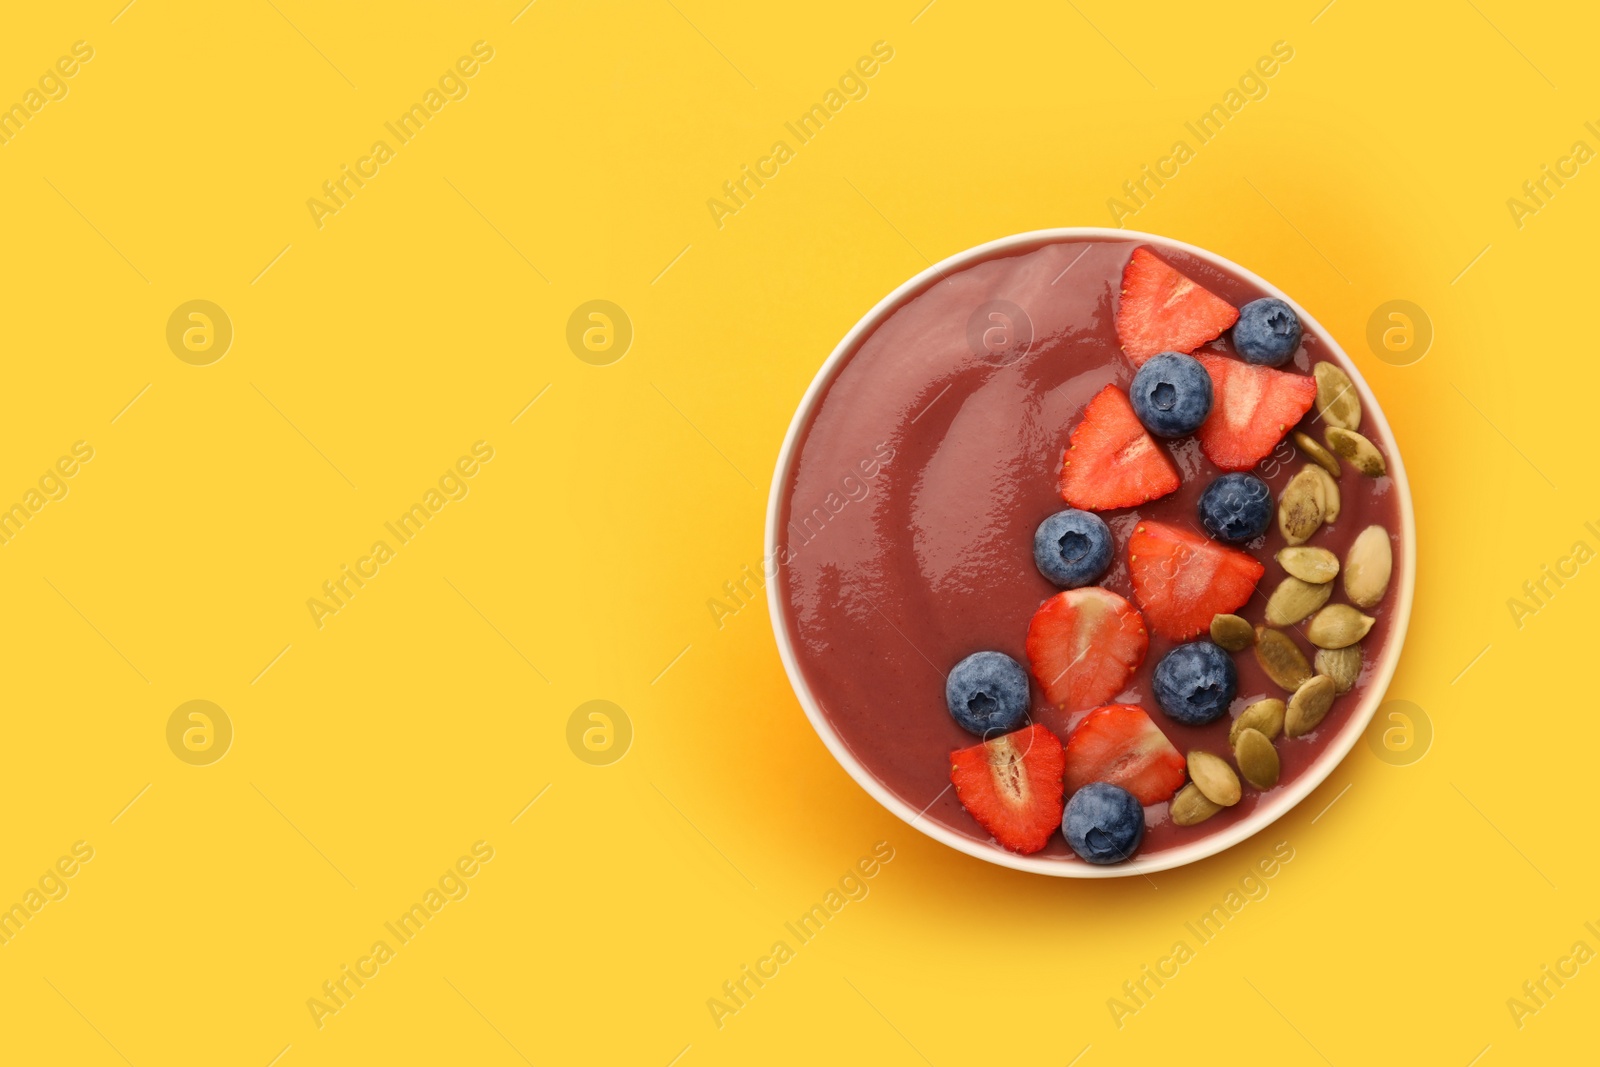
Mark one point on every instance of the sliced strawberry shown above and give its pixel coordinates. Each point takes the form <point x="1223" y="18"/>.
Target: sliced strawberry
<point x="1084" y="645"/>
<point x="1012" y="786"/>
<point x="1111" y="462"/>
<point x="1161" y="310"/>
<point x="1183" y="579"/>
<point x="1119" y="744"/>
<point x="1252" y="409"/>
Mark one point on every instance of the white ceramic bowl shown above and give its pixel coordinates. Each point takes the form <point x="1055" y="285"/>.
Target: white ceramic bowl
<point x="1271" y="808"/>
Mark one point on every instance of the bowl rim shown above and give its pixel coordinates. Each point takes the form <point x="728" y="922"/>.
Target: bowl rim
<point x="1265" y="814"/>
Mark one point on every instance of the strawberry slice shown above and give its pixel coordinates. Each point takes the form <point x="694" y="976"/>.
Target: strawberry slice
<point x="1251" y="411"/>
<point x="1084" y="645"/>
<point x="1119" y="744"/>
<point x="1161" y="310"/>
<point x="1012" y="786"/>
<point x="1183" y="579"/>
<point x="1111" y="462"/>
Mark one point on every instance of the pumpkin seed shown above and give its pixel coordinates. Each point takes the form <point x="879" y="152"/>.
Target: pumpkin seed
<point x="1232" y="632"/>
<point x="1324" y="459"/>
<point x="1338" y="626"/>
<point x="1330" y="493"/>
<point x="1300" y="508"/>
<point x="1212" y="775"/>
<point x="1308" y="706"/>
<point x="1264" y="716"/>
<point x="1314" y="565"/>
<point x="1343" y="665"/>
<point x="1293" y="600"/>
<point x="1257" y="759"/>
<point x="1367" y="567"/>
<point x="1281" y="658"/>
<point x="1337" y="400"/>
<point x="1190" y="807"/>
<point x="1362" y="453"/>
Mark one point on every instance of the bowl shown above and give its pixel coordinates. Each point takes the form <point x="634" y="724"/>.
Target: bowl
<point x="1273" y="805"/>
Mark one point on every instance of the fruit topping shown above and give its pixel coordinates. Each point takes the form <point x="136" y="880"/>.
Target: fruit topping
<point x="1183" y="580"/>
<point x="1111" y="462"/>
<point x="1171" y="394"/>
<point x="1072" y="548"/>
<point x="1254" y="407"/>
<point x="1267" y="333"/>
<point x="1103" y="823"/>
<point x="1161" y="310"/>
<point x="1194" y="684"/>
<point x="1084" y="645"/>
<point x="1012" y="786"/>
<point x="1236" y="507"/>
<point x="1120" y="744"/>
<point x="987" y="693"/>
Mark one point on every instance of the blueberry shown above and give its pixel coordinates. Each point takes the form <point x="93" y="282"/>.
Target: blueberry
<point x="1103" y="823"/>
<point x="1268" y="332"/>
<point x="987" y="693"/>
<point x="1171" y="394"/>
<point x="1195" y="683"/>
<point x="1236" y="507"/>
<point x="1072" y="548"/>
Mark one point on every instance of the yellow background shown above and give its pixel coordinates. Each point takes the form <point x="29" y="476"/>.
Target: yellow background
<point x="370" y="753"/>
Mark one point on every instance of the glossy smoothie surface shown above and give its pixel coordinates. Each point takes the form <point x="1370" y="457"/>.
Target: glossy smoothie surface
<point x="915" y="489"/>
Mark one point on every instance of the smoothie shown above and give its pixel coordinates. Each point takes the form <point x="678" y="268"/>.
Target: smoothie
<point x="914" y="492"/>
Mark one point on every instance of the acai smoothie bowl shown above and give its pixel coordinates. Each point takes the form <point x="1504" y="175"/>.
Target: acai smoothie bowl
<point x="1094" y="553"/>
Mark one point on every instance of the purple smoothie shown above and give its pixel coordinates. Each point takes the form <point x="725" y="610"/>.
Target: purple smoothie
<point x="906" y="527"/>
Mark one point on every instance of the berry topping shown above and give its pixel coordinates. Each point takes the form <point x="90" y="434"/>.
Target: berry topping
<point x="987" y="693"/>
<point x="1103" y="823"/>
<point x="1072" y="548"/>
<point x="1236" y="507"/>
<point x="1111" y="462"/>
<point x="1195" y="683"/>
<point x="1171" y="394"/>
<point x="1254" y="408"/>
<point x="1162" y="311"/>
<point x="1183" y="580"/>
<point x="1084" y="646"/>
<point x="1121" y="745"/>
<point x="1267" y="333"/>
<point x="1012" y="786"/>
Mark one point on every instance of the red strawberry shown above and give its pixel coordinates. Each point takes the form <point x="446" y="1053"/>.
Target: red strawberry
<point x="1084" y="646"/>
<point x="1251" y="410"/>
<point x="1111" y="462"/>
<point x="1182" y="579"/>
<point x="1012" y="786"/>
<point x="1119" y="744"/>
<point x="1163" y="311"/>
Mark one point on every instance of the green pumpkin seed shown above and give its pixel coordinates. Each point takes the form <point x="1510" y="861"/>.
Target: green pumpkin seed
<point x="1190" y="807"/>
<point x="1300" y="508"/>
<point x="1338" y="626"/>
<point x="1293" y="600"/>
<point x="1257" y="759"/>
<point x="1343" y="665"/>
<point x="1308" y="706"/>
<point x="1330" y="493"/>
<point x="1324" y="459"/>
<point x="1281" y="658"/>
<point x="1212" y="775"/>
<point x="1362" y="453"/>
<point x="1337" y="400"/>
<point x="1264" y="716"/>
<point x="1314" y="565"/>
<point x="1368" y="566"/>
<point x="1232" y="633"/>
